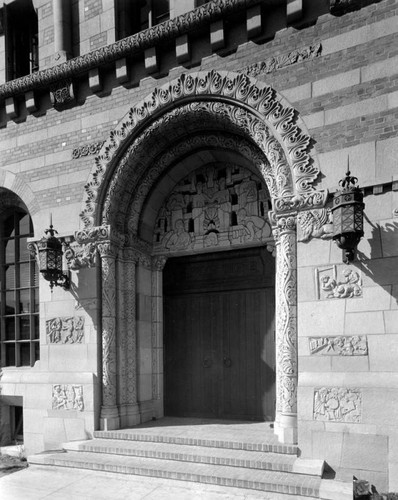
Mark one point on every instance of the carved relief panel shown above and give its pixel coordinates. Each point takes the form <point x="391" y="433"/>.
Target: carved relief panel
<point x="67" y="330"/>
<point x="220" y="205"/>
<point x="355" y="345"/>
<point x="330" y="285"/>
<point x="67" y="397"/>
<point x="338" y="404"/>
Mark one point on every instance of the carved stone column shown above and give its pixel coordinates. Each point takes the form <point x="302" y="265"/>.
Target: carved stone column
<point x="286" y="329"/>
<point x="109" y="417"/>
<point x="158" y="264"/>
<point x="129" y="360"/>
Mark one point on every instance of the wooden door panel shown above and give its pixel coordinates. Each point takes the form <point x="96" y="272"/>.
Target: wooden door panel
<point x="219" y="344"/>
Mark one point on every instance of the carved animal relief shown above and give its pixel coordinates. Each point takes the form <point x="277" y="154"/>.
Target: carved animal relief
<point x="217" y="206"/>
<point x="67" y="397"/>
<point x="338" y="404"/>
<point x="329" y="286"/>
<point x="68" y="330"/>
<point x="339" y="346"/>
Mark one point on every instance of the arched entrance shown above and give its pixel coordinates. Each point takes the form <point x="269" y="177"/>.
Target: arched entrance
<point x="226" y="116"/>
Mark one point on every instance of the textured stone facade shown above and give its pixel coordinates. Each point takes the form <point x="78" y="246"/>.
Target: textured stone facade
<point x="160" y="145"/>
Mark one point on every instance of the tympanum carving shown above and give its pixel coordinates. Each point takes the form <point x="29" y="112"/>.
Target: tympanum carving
<point x="65" y="330"/>
<point x="216" y="206"/>
<point x="338" y="404"/>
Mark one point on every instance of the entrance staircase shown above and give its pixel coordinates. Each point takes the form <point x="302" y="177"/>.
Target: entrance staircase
<point x="237" y="454"/>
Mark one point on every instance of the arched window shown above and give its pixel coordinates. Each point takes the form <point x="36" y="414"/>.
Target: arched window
<point x="19" y="292"/>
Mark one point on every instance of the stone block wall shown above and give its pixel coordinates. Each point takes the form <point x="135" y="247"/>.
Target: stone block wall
<point x="339" y="73"/>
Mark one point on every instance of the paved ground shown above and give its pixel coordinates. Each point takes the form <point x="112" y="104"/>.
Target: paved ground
<point x="55" y="483"/>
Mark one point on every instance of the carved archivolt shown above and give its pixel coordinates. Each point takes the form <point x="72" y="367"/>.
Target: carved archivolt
<point x="338" y="404"/>
<point x="67" y="397"/>
<point x="216" y="206"/>
<point x="355" y="345"/>
<point x="66" y="330"/>
<point x="272" y="123"/>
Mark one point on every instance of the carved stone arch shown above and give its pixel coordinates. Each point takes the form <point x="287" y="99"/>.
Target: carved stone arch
<point x="17" y="186"/>
<point x="249" y="101"/>
<point x="268" y="132"/>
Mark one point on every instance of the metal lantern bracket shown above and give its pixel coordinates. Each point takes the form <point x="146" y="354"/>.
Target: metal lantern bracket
<point x="347" y="212"/>
<point x="50" y="258"/>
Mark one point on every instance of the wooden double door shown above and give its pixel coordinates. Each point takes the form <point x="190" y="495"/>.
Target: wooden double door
<point x="219" y="336"/>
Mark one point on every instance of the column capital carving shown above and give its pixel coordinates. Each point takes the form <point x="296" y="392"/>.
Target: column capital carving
<point x="107" y="249"/>
<point x="159" y="262"/>
<point x="100" y="233"/>
<point x="302" y="201"/>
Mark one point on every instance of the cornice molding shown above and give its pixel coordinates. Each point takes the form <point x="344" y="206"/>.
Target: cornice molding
<point x="139" y="42"/>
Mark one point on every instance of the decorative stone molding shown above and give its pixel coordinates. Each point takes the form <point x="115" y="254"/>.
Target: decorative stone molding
<point x="338" y="404"/>
<point x="61" y="93"/>
<point x="65" y="330"/>
<point x="328" y="286"/>
<point x="215" y="206"/>
<point x="251" y="99"/>
<point x="282" y="61"/>
<point x="315" y="223"/>
<point x="126" y="47"/>
<point x="339" y="346"/>
<point x="87" y="149"/>
<point x="341" y="7"/>
<point x="81" y="256"/>
<point x="67" y="397"/>
<point x="300" y="201"/>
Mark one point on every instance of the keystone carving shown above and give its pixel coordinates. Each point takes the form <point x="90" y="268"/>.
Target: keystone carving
<point x="339" y="346"/>
<point x="337" y="404"/>
<point x="67" y="397"/>
<point x="329" y="287"/>
<point x="277" y="62"/>
<point x="67" y="330"/>
<point x="315" y="223"/>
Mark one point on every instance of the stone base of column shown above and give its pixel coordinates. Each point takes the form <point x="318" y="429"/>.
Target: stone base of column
<point x="109" y="419"/>
<point x="146" y="410"/>
<point x="285" y="428"/>
<point x="132" y="415"/>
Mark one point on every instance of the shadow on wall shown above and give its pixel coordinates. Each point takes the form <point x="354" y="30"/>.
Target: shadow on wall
<point x="380" y="233"/>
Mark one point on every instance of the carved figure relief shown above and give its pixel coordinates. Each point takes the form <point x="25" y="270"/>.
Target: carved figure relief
<point x="338" y="404"/>
<point x="67" y="397"/>
<point x="339" y="346"/>
<point x="217" y="205"/>
<point x="68" y="330"/>
<point x="330" y="287"/>
<point x="274" y="63"/>
<point x="315" y="223"/>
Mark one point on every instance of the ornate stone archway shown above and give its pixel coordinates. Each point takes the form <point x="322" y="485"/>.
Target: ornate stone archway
<point x="269" y="135"/>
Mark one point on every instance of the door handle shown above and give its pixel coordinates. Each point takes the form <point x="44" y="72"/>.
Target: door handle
<point x="227" y="362"/>
<point x="207" y="363"/>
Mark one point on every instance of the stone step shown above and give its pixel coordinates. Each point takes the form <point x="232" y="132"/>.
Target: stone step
<point x="199" y="454"/>
<point x="241" y="477"/>
<point x="268" y="444"/>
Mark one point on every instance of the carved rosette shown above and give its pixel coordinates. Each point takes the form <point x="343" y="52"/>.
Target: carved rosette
<point x="108" y="267"/>
<point x="286" y="317"/>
